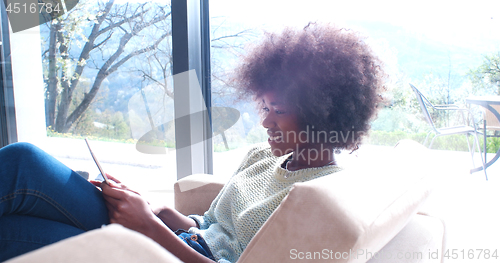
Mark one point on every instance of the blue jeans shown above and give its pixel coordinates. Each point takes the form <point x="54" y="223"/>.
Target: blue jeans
<point x="42" y="201"/>
<point x="196" y="242"/>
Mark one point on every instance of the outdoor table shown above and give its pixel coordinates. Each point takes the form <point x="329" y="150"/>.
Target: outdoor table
<point x="486" y="102"/>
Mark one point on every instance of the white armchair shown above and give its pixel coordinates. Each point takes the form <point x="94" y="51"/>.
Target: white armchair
<point x="358" y="214"/>
<point x="366" y="213"/>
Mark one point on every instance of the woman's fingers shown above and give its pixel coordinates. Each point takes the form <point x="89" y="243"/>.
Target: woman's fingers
<point x="112" y="201"/>
<point x="110" y="208"/>
<point x="112" y="212"/>
<point x="116" y="201"/>
<point x="95" y="183"/>
<point x="113" y="191"/>
<point x="118" y="184"/>
<point x="113" y="178"/>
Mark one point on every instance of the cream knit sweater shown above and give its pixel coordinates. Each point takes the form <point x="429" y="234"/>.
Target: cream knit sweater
<point x="248" y="199"/>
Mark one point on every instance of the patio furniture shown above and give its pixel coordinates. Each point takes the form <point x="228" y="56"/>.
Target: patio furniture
<point x="453" y="130"/>
<point x="490" y="123"/>
<point x="491" y="106"/>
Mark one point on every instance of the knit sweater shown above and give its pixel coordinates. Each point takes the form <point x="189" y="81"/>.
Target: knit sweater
<point x="248" y="200"/>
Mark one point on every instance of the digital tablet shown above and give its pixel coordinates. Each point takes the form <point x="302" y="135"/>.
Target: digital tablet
<point x="97" y="163"/>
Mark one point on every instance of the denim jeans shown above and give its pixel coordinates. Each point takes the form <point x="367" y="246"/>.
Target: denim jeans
<point x="196" y="242"/>
<point x="42" y="201"/>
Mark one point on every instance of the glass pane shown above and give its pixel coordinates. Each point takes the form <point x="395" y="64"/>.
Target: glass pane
<point x="438" y="47"/>
<point x="228" y="39"/>
<point x="104" y="73"/>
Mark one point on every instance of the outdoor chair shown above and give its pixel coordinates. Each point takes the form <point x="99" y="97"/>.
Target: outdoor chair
<point x="465" y="129"/>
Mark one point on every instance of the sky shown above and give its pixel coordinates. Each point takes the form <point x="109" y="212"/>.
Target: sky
<point x="459" y="22"/>
<point x="471" y="24"/>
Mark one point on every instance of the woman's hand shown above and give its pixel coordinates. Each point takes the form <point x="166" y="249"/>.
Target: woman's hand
<point x="123" y="202"/>
<point x="128" y="208"/>
<point x="117" y="184"/>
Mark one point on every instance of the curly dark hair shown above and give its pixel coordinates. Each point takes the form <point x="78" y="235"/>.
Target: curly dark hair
<point x="328" y="73"/>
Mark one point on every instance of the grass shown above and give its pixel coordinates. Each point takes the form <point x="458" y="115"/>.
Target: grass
<point x="451" y="142"/>
<point x="52" y="133"/>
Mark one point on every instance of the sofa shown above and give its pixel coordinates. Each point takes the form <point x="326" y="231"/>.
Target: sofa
<point x="374" y="211"/>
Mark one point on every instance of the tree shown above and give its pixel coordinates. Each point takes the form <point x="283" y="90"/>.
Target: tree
<point x="486" y="78"/>
<point x="98" y="36"/>
<point x="154" y="70"/>
<point x="155" y="67"/>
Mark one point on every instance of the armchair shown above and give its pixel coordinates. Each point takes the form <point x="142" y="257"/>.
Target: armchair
<point x="366" y="213"/>
<point x="356" y="215"/>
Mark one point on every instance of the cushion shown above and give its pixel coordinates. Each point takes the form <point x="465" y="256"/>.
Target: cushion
<point x="113" y="243"/>
<point x="195" y="193"/>
<point x="420" y="241"/>
<point x="360" y="208"/>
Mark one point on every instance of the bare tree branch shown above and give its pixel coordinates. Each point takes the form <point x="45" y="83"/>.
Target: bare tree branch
<point x="136" y="18"/>
<point x="103" y="42"/>
<point x="107" y="69"/>
<point x="239" y="34"/>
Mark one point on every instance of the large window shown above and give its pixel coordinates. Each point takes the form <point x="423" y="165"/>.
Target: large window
<point x="102" y="70"/>
<point x="441" y="47"/>
<point x="8" y="132"/>
<point x="106" y="71"/>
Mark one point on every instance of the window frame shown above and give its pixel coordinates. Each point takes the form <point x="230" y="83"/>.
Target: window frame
<point x="8" y="126"/>
<point x="191" y="52"/>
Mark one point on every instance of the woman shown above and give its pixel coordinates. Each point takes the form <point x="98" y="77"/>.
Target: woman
<point x="317" y="89"/>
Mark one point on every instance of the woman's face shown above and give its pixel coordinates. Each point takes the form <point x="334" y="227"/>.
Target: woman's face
<point x="282" y="124"/>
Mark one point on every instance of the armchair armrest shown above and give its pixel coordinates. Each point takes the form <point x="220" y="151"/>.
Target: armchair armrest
<point x="195" y="193"/>
<point x="419" y="241"/>
<point x="110" y="244"/>
<point x="358" y="209"/>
